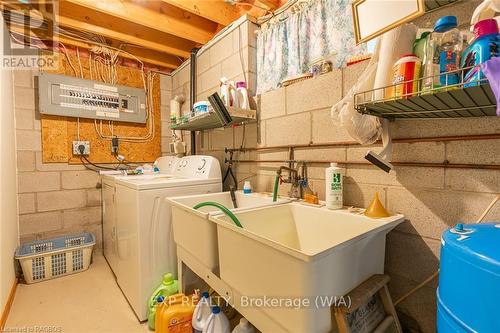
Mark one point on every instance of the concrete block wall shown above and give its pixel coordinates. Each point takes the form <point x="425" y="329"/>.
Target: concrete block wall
<point x="232" y="56"/>
<point x="54" y="199"/>
<point x="432" y="199"/>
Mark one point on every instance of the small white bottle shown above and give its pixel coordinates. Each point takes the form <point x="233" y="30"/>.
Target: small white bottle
<point x="334" y="187"/>
<point x="217" y="322"/>
<point x="244" y="327"/>
<point x="224" y="91"/>
<point x="247" y="187"/>
<point x="201" y="313"/>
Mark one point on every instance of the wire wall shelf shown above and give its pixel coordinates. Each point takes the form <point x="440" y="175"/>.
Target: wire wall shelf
<point x="469" y="99"/>
<point x="210" y="120"/>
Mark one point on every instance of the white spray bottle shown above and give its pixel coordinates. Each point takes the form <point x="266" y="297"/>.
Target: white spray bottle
<point x="334" y="187"/>
<point x="225" y="94"/>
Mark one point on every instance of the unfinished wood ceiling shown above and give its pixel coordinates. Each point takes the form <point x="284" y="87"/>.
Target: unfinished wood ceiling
<point x="158" y="32"/>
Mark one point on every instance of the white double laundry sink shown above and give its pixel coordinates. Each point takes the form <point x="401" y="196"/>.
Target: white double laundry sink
<point x="288" y="261"/>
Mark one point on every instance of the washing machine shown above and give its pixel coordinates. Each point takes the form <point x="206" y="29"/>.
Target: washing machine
<point x="166" y="164"/>
<point x="143" y="235"/>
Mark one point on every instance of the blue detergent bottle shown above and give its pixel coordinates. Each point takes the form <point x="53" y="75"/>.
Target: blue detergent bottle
<point x="483" y="48"/>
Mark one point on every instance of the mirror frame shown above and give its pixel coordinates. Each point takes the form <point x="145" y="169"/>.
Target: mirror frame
<point x="356" y="3"/>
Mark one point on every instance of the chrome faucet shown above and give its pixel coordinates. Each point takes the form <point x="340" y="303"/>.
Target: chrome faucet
<point x="299" y="182"/>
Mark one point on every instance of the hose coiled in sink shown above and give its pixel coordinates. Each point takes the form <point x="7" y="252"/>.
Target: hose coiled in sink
<point x="223" y="208"/>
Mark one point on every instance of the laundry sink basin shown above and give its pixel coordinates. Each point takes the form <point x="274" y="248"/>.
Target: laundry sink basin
<point x="196" y="234"/>
<point x="294" y="251"/>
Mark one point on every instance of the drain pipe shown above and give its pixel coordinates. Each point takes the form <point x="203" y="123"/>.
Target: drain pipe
<point x="192" y="93"/>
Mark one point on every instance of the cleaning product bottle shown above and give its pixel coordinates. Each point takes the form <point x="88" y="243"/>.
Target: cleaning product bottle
<point x="244" y="327"/>
<point x="247" y="187"/>
<point x="334" y="187"/>
<point x="201" y="313"/>
<point x="168" y="287"/>
<point x="224" y="91"/>
<point x="174" y="315"/>
<point x="449" y="49"/>
<point x="483" y="48"/>
<point x="242" y="95"/>
<point x="432" y="65"/>
<point x="217" y="322"/>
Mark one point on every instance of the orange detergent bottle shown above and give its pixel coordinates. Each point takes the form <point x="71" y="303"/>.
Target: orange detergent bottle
<point x="175" y="313"/>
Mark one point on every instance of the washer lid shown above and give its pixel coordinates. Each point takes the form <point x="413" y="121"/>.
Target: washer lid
<point x="164" y="182"/>
<point x="478" y="244"/>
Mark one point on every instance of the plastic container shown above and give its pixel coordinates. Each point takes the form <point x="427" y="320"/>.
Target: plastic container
<point x="469" y="279"/>
<point x="432" y="64"/>
<point x="407" y="68"/>
<point x="449" y="49"/>
<point x="247" y="187"/>
<point x="483" y="48"/>
<point x="201" y="313"/>
<point x="46" y="259"/>
<point x="242" y="95"/>
<point x="334" y="187"/>
<point x="224" y="92"/>
<point x="217" y="322"/>
<point x="201" y="107"/>
<point x="420" y="49"/>
<point x="168" y="287"/>
<point x="244" y="327"/>
<point x="174" y="315"/>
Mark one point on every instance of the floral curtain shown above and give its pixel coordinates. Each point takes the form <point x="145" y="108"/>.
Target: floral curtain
<point x="286" y="47"/>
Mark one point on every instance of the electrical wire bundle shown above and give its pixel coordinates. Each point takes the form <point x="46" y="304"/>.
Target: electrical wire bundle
<point x="102" y="66"/>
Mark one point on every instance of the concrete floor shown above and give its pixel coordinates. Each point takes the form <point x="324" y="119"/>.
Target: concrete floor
<point x="85" y="302"/>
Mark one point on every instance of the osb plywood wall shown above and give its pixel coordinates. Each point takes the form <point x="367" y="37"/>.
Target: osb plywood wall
<point x="58" y="132"/>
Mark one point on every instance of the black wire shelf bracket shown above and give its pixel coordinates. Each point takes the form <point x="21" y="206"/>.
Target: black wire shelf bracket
<point x="460" y="100"/>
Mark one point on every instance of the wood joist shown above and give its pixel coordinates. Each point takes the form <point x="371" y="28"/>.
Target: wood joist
<point x="158" y="32"/>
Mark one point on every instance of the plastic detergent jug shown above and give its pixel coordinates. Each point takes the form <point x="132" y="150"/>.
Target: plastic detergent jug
<point x="483" y="48"/>
<point x="175" y="313"/>
<point x="201" y="313"/>
<point x="242" y="95"/>
<point x="244" y="327"/>
<point x="217" y="322"/>
<point x="168" y="287"/>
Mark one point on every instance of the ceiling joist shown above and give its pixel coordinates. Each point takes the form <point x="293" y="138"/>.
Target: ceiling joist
<point x="217" y="10"/>
<point x="71" y="15"/>
<point x="156" y="15"/>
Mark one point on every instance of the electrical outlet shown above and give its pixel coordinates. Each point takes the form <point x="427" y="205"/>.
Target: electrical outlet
<point x="77" y="144"/>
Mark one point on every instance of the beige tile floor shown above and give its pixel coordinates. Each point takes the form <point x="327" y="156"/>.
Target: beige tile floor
<point x="85" y="302"/>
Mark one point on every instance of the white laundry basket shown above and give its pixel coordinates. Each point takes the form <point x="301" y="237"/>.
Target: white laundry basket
<point x="46" y="259"/>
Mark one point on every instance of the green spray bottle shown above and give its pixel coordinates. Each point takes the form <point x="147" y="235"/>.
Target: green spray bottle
<point x="168" y="287"/>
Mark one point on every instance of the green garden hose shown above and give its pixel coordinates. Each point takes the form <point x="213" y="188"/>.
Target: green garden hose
<point x="275" y="189"/>
<point x="222" y="208"/>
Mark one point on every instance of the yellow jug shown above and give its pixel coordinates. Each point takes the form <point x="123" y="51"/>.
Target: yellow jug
<point x="175" y="313"/>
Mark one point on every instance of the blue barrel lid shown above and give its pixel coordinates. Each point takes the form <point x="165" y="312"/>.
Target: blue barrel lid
<point x="475" y="243"/>
<point x="445" y="23"/>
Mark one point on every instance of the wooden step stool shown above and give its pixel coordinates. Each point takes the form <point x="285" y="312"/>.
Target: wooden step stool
<point x="370" y="309"/>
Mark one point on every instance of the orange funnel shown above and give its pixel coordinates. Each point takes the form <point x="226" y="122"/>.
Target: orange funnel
<point x="376" y="209"/>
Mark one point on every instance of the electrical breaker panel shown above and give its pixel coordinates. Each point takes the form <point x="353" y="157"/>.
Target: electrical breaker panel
<point x="73" y="97"/>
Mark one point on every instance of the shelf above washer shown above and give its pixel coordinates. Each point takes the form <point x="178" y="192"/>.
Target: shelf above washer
<point x="210" y="120"/>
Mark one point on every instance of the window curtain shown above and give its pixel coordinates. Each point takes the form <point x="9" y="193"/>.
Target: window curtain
<point x="287" y="46"/>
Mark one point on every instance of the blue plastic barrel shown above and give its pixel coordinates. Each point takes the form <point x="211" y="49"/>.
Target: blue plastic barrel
<point x="468" y="296"/>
